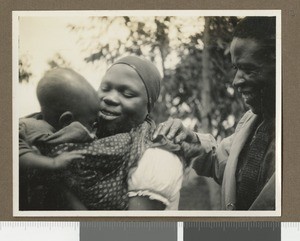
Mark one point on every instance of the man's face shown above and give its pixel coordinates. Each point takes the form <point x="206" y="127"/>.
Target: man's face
<point x="255" y="76"/>
<point x="123" y="99"/>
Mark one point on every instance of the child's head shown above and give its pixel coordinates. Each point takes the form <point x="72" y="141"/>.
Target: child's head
<point x="65" y="96"/>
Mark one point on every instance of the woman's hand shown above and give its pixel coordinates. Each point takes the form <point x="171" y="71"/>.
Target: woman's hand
<point x="175" y="131"/>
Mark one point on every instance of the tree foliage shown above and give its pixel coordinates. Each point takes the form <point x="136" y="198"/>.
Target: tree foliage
<point x="198" y="88"/>
<point x="24" y="69"/>
<point x="203" y="79"/>
<point x="58" y="61"/>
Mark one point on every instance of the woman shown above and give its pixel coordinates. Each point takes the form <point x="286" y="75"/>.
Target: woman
<point x="123" y="168"/>
<point x="127" y="95"/>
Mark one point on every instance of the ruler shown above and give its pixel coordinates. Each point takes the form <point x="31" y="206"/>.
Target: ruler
<point x="149" y="231"/>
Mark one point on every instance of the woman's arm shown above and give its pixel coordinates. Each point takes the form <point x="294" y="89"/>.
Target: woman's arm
<point x="144" y="203"/>
<point x="156" y="182"/>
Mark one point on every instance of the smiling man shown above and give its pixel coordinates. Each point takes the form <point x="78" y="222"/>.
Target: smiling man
<point x="243" y="163"/>
<point x="252" y="150"/>
<point x="253" y="56"/>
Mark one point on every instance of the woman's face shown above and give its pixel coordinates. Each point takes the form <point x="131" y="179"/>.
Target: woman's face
<point x="123" y="100"/>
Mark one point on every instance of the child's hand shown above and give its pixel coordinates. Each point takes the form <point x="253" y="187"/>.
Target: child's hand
<point x="65" y="158"/>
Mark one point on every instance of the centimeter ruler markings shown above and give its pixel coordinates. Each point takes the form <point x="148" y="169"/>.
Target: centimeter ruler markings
<point x="144" y="231"/>
<point x="37" y="225"/>
<point x="39" y="231"/>
<point x="233" y="231"/>
<point x="128" y="231"/>
<point x="129" y="225"/>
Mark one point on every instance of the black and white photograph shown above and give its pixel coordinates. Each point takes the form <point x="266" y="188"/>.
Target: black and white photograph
<point x="147" y="113"/>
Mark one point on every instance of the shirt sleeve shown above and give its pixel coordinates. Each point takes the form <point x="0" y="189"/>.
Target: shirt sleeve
<point x="213" y="160"/>
<point x="220" y="157"/>
<point x="24" y="146"/>
<point x="203" y="162"/>
<point x="32" y="131"/>
<point x="159" y="176"/>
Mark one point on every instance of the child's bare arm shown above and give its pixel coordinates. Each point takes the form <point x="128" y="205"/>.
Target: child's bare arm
<point x="35" y="160"/>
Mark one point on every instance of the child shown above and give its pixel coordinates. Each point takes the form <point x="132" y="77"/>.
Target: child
<point x="69" y="108"/>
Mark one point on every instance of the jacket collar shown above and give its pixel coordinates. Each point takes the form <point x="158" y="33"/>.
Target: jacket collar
<point x="229" y="182"/>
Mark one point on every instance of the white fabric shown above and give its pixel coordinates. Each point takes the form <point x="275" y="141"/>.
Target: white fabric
<point x="159" y="176"/>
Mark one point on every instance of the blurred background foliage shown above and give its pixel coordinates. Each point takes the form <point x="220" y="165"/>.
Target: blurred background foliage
<point x="193" y="56"/>
<point x="25" y="71"/>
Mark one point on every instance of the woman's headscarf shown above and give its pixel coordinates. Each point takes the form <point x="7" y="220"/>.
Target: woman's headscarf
<point x="148" y="73"/>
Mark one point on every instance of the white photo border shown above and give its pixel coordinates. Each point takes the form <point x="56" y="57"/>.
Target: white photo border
<point x="179" y="213"/>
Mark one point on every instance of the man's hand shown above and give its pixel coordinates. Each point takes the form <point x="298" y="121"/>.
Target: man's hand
<point x="174" y="130"/>
<point x="64" y="159"/>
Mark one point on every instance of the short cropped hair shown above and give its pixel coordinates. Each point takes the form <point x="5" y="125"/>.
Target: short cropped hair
<point x="261" y="29"/>
<point x="61" y="90"/>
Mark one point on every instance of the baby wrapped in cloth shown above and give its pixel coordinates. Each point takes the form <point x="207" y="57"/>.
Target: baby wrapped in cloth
<point x="99" y="180"/>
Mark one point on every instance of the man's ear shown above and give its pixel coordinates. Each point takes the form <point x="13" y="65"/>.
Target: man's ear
<point x="66" y="119"/>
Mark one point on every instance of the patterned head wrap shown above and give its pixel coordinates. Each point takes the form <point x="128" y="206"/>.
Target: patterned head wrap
<point x="149" y="75"/>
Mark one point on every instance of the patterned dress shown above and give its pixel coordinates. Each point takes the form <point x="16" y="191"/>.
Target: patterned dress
<point x="99" y="180"/>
